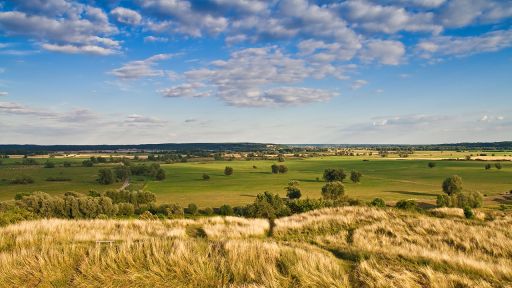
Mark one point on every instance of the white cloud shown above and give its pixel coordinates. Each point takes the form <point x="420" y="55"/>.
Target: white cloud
<point x="387" y="19"/>
<point x="141" y="68"/>
<point x="465" y="45"/>
<point x="19" y="109"/>
<point x="136" y="119"/>
<point x="388" y="52"/>
<point x="3" y="93"/>
<point x="358" y="84"/>
<point x="188" y="90"/>
<point x="460" y="13"/>
<point x="62" y="26"/>
<point x="155" y="39"/>
<point x="126" y="16"/>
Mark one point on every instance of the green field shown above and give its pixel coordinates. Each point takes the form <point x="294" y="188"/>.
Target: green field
<point x="385" y="178"/>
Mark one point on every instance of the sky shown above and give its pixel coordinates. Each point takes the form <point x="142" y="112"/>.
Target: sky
<point x="289" y="71"/>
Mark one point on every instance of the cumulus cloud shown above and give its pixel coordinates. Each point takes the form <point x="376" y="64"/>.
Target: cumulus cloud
<point x="358" y="84"/>
<point x="19" y="109"/>
<point x="254" y="77"/>
<point x="62" y="26"/>
<point x="126" y="16"/>
<point x="141" y="68"/>
<point x="387" y="19"/>
<point x="188" y="90"/>
<point x="460" y="13"/>
<point x="465" y="45"/>
<point x="388" y="52"/>
<point x="155" y="39"/>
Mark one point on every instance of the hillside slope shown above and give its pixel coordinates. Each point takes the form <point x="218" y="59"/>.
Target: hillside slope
<point x="342" y="247"/>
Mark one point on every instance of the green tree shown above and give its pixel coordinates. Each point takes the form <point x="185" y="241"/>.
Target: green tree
<point x="206" y="177"/>
<point x="192" y="209"/>
<point x="160" y="174"/>
<point x="105" y="176"/>
<point x="226" y="210"/>
<point x="333" y="190"/>
<point x="280" y="158"/>
<point x="228" y="171"/>
<point x="122" y="172"/>
<point x="331" y="175"/>
<point x="487" y="166"/>
<point x="452" y="185"/>
<point x="378" y="202"/>
<point x="355" y="176"/>
<point x="283" y="169"/>
<point x="49" y="164"/>
<point x="293" y="190"/>
<point x="275" y="168"/>
<point x="431" y="164"/>
<point x="498" y="166"/>
<point x="87" y="163"/>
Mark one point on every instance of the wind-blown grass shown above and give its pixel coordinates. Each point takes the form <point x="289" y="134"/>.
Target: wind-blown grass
<point x="338" y="247"/>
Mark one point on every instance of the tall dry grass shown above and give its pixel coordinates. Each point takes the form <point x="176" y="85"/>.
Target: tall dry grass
<point x="338" y="247"/>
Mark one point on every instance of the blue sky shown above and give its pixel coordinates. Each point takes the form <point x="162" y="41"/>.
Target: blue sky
<point x="291" y="71"/>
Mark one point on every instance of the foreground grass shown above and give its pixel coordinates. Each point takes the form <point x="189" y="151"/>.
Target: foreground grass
<point x="341" y="247"/>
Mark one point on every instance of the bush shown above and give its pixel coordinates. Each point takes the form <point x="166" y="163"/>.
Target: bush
<point x="206" y="177"/>
<point x="58" y="179"/>
<point x="472" y="199"/>
<point x="407" y="205"/>
<point x="331" y="175"/>
<point x="125" y="209"/>
<point x="280" y="158"/>
<point x="498" y="166"/>
<point x="87" y="163"/>
<point x="148" y="216"/>
<point x="160" y="174"/>
<point x="431" y="164"/>
<point x="105" y="176"/>
<point x="333" y="190"/>
<point x="452" y="185"/>
<point x="29" y="161"/>
<point x="275" y="168"/>
<point x="122" y="172"/>
<point x="282" y="169"/>
<point x="268" y="205"/>
<point x="378" y="202"/>
<point x="487" y="166"/>
<point x="207" y="211"/>
<point x="192" y="209"/>
<point x="228" y="171"/>
<point x="293" y="190"/>
<point x="355" y="176"/>
<point x="49" y="164"/>
<point x="226" y="210"/>
<point x="443" y="201"/>
<point x="66" y="164"/>
<point x="468" y="213"/>
<point x="23" y="180"/>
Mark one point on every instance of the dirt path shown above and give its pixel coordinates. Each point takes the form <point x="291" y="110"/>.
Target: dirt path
<point x="126" y="183"/>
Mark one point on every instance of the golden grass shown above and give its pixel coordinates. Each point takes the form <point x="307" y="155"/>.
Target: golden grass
<point x="338" y="247"/>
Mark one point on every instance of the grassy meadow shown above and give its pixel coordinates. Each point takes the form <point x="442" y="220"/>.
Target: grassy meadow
<point x="387" y="178"/>
<point x="333" y="247"/>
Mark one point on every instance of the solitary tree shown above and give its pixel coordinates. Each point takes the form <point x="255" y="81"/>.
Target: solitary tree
<point x="333" y="190"/>
<point x="431" y="164"/>
<point x="283" y="169"/>
<point x="105" y="176"/>
<point x="275" y="168"/>
<point x="355" y="176"/>
<point x="49" y="164"/>
<point x="293" y="190"/>
<point x="228" y="170"/>
<point x="206" y="177"/>
<point x="498" y="166"/>
<point x="160" y="174"/>
<point x="331" y="175"/>
<point x="452" y="185"/>
<point x="280" y="158"/>
<point x="487" y="166"/>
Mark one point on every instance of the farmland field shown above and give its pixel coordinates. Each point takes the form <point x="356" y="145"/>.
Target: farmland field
<point x="390" y="179"/>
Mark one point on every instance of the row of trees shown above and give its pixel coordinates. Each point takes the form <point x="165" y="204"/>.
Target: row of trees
<point x="108" y="176"/>
<point x="332" y="175"/>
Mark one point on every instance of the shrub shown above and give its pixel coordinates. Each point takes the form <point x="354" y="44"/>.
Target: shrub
<point x="207" y="211"/>
<point x="147" y="216"/>
<point x="452" y="185"/>
<point x="468" y="213"/>
<point x="331" y="175"/>
<point x="29" y="161"/>
<point x="23" y="180"/>
<point x="226" y="210"/>
<point x="472" y="199"/>
<point x="282" y="169"/>
<point x="333" y="190"/>
<point x="105" y="176"/>
<point x="87" y="163"/>
<point x="443" y="201"/>
<point x="160" y="174"/>
<point x="305" y="205"/>
<point x="228" y="171"/>
<point x="293" y="190"/>
<point x="407" y="205"/>
<point x="66" y="164"/>
<point x="275" y="168"/>
<point x="125" y="209"/>
<point x="487" y="166"/>
<point x="355" y="176"/>
<point x="122" y="172"/>
<point x="431" y="164"/>
<point x="206" y="177"/>
<point x="58" y="179"/>
<point x="498" y="166"/>
<point x="268" y="205"/>
<point x="192" y="209"/>
<point x="280" y="158"/>
<point x="49" y="164"/>
<point x="254" y="167"/>
<point x="378" y="202"/>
